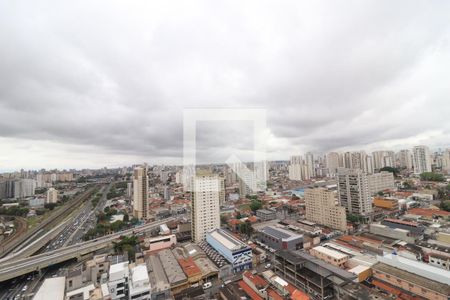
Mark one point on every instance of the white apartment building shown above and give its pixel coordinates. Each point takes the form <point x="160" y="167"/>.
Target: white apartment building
<point x="383" y="159"/>
<point x="298" y="170"/>
<point x="118" y="281"/>
<point x="140" y="192"/>
<point x="421" y="159"/>
<point x="52" y="195"/>
<point x="321" y="208"/>
<point x="353" y="191"/>
<point x="405" y="159"/>
<point x="380" y="181"/>
<point x="139" y="285"/>
<point x="205" y="208"/>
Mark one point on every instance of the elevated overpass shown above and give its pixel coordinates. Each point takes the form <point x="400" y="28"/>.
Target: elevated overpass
<point x="11" y="268"/>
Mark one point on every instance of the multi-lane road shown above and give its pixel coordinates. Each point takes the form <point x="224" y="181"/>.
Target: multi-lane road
<point x="14" y="268"/>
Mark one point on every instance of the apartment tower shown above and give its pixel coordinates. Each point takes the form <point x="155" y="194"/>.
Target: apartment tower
<point x="140" y="192"/>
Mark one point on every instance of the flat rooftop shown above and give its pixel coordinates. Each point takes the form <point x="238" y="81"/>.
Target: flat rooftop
<point x="416" y="267"/>
<point x="52" y="288"/>
<point x="157" y="277"/>
<point x="331" y="252"/>
<point x="413" y="278"/>
<point x="315" y="264"/>
<point x="227" y="240"/>
<point x="281" y="233"/>
<point x="170" y="265"/>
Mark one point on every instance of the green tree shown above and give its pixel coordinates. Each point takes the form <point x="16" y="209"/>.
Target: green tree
<point x="431" y="176"/>
<point x="50" y="206"/>
<point x="353" y="218"/>
<point x="255" y="205"/>
<point x="246" y="228"/>
<point x="445" y="205"/>
<point x="395" y="171"/>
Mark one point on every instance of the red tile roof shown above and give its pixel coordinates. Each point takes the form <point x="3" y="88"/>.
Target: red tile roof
<point x="249" y="291"/>
<point x="255" y="279"/>
<point x="189" y="267"/>
<point x="299" y="295"/>
<point x="402" y="222"/>
<point x="428" y="212"/>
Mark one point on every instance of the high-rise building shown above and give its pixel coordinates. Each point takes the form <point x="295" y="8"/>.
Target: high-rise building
<point x="24" y="188"/>
<point x="368" y="167"/>
<point x="347" y="160"/>
<point x="140" y="192"/>
<point x="52" y="195"/>
<point x="421" y="159"/>
<point x="380" y="181"/>
<point x="383" y="159"/>
<point x="356" y="160"/>
<point x="205" y="210"/>
<point x="405" y="159"/>
<point x="321" y="208"/>
<point x="129" y="189"/>
<point x="298" y="170"/>
<point x="446" y="161"/>
<point x="353" y="191"/>
<point x="332" y="163"/>
<point x="309" y="161"/>
<point x="295" y="168"/>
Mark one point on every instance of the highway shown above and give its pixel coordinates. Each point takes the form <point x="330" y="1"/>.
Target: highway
<point x="37" y="233"/>
<point x="12" y="268"/>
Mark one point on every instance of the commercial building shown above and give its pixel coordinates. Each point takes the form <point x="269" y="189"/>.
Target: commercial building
<point x="353" y="191"/>
<point x="330" y="256"/>
<point x="52" y="195"/>
<point x="175" y="275"/>
<point x="321" y="208"/>
<point x="380" y="181"/>
<point x="139" y="287"/>
<point x="398" y="275"/>
<point x="386" y="203"/>
<point x="279" y="238"/>
<point x="140" y="193"/>
<point x="266" y="214"/>
<point x="159" y="284"/>
<point x="319" y="279"/>
<point x="393" y="233"/>
<point x="421" y="159"/>
<point x="236" y="252"/>
<point x="160" y="242"/>
<point x="205" y="209"/>
<point x="414" y="228"/>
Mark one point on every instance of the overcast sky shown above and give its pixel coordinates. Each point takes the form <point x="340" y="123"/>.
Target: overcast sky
<point x="104" y="83"/>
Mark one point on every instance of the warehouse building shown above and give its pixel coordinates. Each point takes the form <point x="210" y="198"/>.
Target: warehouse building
<point x="279" y="238"/>
<point x="235" y="251"/>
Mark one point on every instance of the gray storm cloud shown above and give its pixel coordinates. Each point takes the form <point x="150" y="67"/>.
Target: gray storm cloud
<point x="90" y="84"/>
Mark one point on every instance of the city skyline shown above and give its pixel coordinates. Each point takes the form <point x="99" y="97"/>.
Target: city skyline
<point x="78" y="95"/>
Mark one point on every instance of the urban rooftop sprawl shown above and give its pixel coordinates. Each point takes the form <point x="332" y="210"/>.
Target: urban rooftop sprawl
<point x="344" y="225"/>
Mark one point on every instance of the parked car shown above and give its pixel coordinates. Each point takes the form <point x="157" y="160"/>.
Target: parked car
<point x="207" y="285"/>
